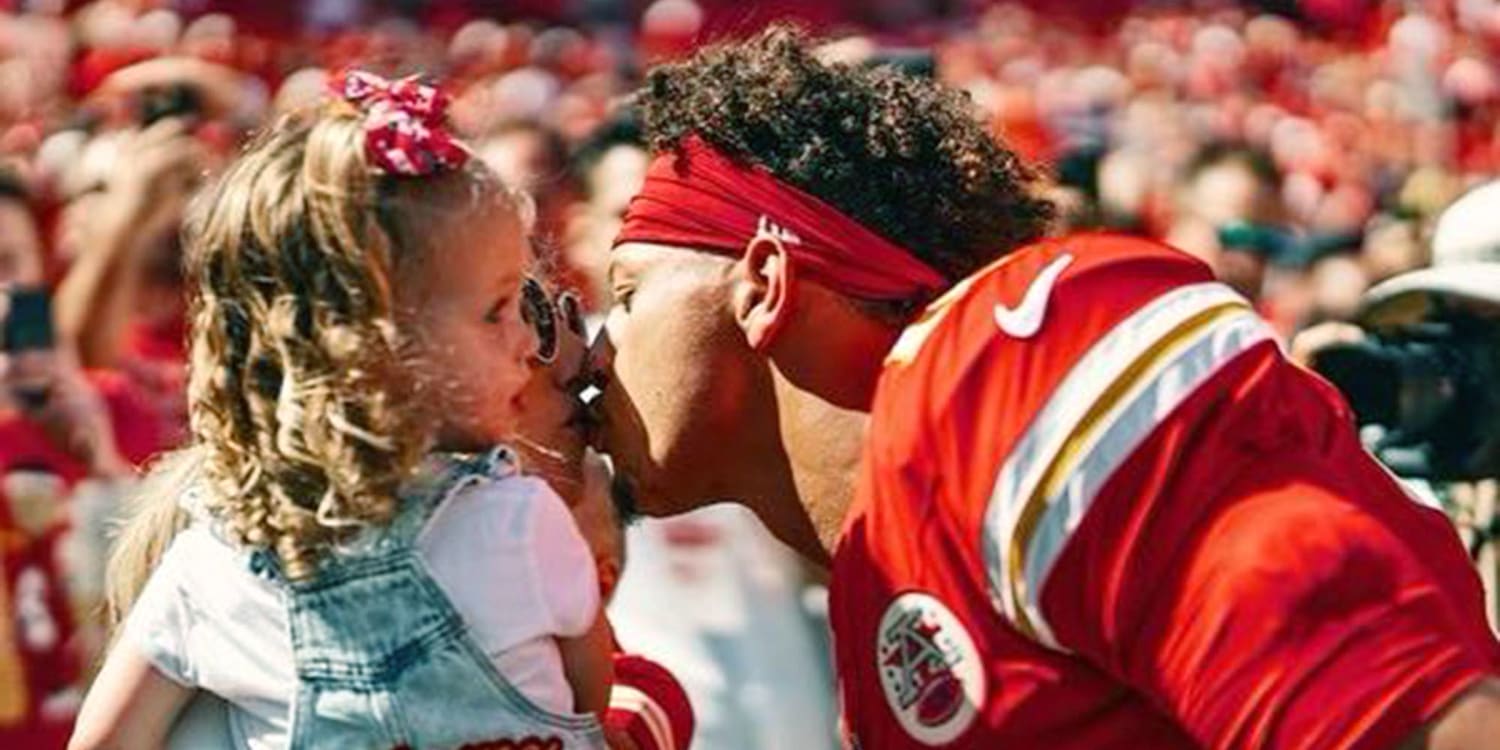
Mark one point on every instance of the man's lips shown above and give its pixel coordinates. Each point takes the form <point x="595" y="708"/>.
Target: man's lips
<point x="587" y="417"/>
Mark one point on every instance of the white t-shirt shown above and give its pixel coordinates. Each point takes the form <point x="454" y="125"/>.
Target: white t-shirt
<point x="506" y="552"/>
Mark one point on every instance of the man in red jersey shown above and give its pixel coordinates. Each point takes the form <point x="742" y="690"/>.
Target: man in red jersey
<point x="1097" y="509"/>
<point x="1131" y="476"/>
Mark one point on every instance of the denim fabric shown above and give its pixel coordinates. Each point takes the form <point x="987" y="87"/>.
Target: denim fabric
<point x="383" y="659"/>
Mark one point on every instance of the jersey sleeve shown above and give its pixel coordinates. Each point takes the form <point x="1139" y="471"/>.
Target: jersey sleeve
<point x="1294" y="619"/>
<point x="647" y="703"/>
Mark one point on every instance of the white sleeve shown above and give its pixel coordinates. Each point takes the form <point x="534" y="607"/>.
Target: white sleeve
<point x="567" y="581"/>
<point x="161" y="618"/>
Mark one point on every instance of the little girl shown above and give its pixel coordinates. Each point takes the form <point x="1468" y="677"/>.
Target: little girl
<point x="361" y="568"/>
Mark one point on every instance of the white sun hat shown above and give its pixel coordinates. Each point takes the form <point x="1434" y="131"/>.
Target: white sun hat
<point x="1465" y="265"/>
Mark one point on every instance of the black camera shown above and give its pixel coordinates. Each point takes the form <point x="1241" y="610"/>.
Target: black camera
<point x="177" y="100"/>
<point x="1427" y="395"/>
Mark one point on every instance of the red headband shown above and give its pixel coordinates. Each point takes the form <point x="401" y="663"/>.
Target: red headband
<point x="702" y="199"/>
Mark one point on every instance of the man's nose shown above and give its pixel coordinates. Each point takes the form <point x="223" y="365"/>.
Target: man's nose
<point x="599" y="360"/>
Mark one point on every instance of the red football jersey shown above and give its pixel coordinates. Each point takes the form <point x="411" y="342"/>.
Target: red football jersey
<point x="649" y="705"/>
<point x="1099" y="509"/>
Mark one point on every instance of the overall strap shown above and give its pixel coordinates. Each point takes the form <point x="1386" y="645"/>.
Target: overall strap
<point x="442" y="476"/>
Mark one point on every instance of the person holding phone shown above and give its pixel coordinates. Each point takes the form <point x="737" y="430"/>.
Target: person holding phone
<point x="69" y="442"/>
<point x="47" y="390"/>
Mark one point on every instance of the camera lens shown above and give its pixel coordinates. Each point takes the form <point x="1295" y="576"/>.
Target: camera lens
<point x="1368" y="375"/>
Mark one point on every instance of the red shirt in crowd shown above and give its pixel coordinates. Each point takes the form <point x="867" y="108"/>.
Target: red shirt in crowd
<point x="39" y="663"/>
<point x="1099" y="508"/>
<point x="156" y="364"/>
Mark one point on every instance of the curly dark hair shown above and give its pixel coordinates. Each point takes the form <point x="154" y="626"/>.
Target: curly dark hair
<point x="905" y="156"/>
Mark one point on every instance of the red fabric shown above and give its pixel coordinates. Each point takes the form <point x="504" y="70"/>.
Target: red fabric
<point x="406" y="131"/>
<point x="97" y="64"/>
<point x="39" y="640"/>
<point x="138" y="432"/>
<point x="666" y="705"/>
<point x="701" y="198"/>
<point x="1248" y="578"/>
<point x="164" y="341"/>
<point x="29" y="568"/>
<point x="156" y="366"/>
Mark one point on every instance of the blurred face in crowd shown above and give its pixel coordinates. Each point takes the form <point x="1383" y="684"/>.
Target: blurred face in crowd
<point x="1339" y="281"/>
<point x="516" y="156"/>
<point x="20" y="244"/>
<point x="1243" y="270"/>
<point x="30" y="377"/>
<point x="687" y="406"/>
<point x="1228" y="192"/>
<point x="1222" y="195"/>
<point x="616" y="178"/>
<point x="521" y="157"/>
<point x="528" y="158"/>
<point x="612" y="182"/>
<point x="1391" y="248"/>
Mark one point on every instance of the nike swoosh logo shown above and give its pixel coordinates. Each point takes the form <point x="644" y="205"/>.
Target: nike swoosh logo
<point x="1025" y="319"/>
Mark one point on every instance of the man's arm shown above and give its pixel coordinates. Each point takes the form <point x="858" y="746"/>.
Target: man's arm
<point x="1471" y="723"/>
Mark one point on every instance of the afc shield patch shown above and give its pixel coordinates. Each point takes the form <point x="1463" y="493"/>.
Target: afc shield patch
<point x="929" y="668"/>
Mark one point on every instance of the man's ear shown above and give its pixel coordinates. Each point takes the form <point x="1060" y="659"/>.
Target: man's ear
<point x="765" y="291"/>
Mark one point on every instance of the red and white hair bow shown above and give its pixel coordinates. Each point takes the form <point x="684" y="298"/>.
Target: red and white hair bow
<point x="406" y="132"/>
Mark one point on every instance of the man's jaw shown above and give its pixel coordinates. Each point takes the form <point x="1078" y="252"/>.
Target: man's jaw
<point x="622" y="493"/>
<point x="588" y="420"/>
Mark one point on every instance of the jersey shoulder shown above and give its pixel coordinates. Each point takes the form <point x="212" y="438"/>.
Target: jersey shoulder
<point x="1007" y="406"/>
<point x="1018" y="294"/>
<point x="1025" y="318"/>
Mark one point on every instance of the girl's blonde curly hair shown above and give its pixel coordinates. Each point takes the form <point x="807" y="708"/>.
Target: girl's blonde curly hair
<point x="301" y="394"/>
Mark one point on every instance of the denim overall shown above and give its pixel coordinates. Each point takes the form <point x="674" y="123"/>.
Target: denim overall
<point x="384" y="661"/>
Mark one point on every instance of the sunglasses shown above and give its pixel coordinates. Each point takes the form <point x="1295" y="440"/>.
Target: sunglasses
<point x="545" y="314"/>
<point x="539" y="311"/>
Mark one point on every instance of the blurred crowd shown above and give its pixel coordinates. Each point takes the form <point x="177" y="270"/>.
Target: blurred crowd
<point x="1304" y="155"/>
<point x="1302" y="166"/>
